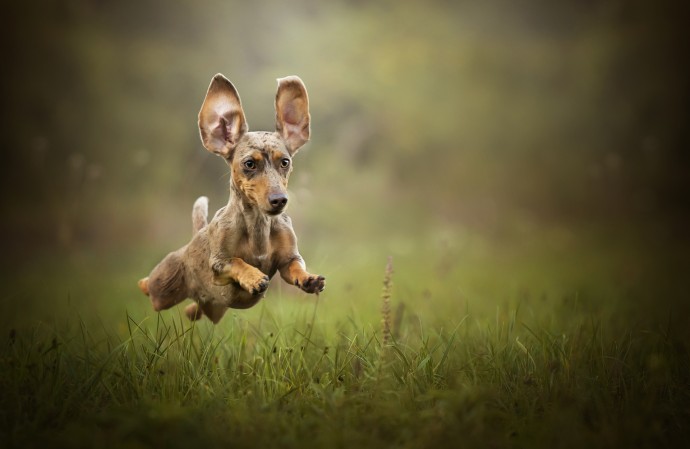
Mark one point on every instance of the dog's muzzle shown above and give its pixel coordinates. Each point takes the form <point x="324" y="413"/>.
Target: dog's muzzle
<point x="278" y="201"/>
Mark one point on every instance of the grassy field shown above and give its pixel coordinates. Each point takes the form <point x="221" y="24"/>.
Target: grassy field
<point x="548" y="341"/>
<point x="523" y="163"/>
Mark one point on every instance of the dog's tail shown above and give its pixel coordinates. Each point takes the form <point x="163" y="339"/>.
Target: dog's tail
<point x="200" y="214"/>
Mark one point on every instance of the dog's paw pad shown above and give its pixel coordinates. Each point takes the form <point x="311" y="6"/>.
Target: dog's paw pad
<point x="261" y="286"/>
<point x="313" y="284"/>
<point x="256" y="284"/>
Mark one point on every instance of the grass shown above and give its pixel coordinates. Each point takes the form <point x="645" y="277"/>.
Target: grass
<point x="550" y="366"/>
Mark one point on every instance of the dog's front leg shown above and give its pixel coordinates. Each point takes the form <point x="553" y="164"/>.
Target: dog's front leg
<point x="237" y="270"/>
<point x="294" y="272"/>
<point x="290" y="263"/>
<point x="228" y="269"/>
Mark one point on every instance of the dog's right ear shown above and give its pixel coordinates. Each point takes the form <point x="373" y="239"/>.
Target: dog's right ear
<point x="221" y="119"/>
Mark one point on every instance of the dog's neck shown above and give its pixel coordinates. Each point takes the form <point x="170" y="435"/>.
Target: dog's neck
<point x="256" y="223"/>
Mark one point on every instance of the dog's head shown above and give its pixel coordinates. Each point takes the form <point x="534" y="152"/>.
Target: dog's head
<point x="260" y="162"/>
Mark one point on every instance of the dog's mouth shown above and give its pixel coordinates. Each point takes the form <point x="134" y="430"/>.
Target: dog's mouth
<point x="276" y="210"/>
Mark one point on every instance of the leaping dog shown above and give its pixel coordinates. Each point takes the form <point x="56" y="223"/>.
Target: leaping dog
<point x="230" y="260"/>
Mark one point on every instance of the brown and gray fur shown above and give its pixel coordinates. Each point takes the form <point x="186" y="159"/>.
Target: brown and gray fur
<point x="230" y="260"/>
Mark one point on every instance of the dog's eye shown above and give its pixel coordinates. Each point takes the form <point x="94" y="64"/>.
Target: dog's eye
<point x="285" y="163"/>
<point x="250" y="164"/>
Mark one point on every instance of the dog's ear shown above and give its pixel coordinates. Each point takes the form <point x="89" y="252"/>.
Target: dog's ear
<point x="292" y="112"/>
<point x="221" y="119"/>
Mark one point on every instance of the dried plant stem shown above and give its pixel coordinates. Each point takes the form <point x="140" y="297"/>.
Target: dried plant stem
<point x="386" y="303"/>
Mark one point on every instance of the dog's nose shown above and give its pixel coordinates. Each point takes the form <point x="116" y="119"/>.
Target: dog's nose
<point x="277" y="200"/>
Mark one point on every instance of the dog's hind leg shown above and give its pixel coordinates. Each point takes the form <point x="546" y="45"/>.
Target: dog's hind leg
<point x="213" y="311"/>
<point x="200" y="214"/>
<point x="166" y="284"/>
<point x="193" y="311"/>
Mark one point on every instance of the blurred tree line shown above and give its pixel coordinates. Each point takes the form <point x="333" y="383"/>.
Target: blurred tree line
<point x="469" y="112"/>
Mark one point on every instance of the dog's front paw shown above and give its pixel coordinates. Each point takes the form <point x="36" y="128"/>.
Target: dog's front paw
<point x="254" y="281"/>
<point x="312" y="283"/>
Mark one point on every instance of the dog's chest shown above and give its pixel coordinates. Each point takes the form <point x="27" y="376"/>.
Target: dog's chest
<point x="256" y="251"/>
<point x="262" y="261"/>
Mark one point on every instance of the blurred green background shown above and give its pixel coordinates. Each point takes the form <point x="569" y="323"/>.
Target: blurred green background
<point x="481" y="144"/>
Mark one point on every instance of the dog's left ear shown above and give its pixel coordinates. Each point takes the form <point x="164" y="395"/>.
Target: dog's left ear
<point x="221" y="118"/>
<point x="292" y="112"/>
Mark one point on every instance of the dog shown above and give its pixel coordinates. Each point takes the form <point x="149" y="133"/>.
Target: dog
<point x="229" y="261"/>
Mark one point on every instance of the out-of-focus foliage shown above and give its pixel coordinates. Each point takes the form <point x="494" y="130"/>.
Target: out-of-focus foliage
<point x="484" y="114"/>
